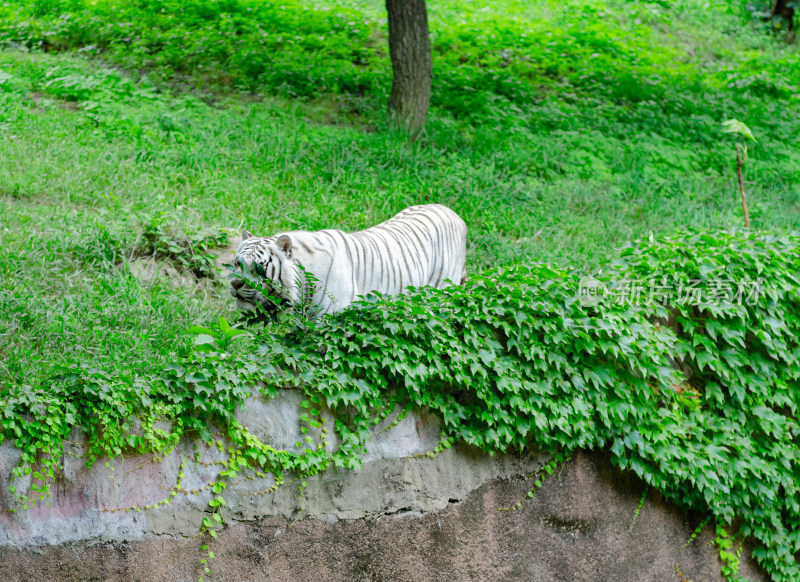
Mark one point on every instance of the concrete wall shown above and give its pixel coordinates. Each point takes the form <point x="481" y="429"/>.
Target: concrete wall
<point x="399" y="518"/>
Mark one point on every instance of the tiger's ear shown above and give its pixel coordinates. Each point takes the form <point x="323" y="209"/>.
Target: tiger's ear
<point x="246" y="234"/>
<point x="284" y="243"/>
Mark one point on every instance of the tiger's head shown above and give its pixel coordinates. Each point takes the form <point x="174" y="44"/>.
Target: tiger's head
<point x="271" y="259"/>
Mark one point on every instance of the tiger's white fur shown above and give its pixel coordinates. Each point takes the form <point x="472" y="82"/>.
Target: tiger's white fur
<point x="422" y="245"/>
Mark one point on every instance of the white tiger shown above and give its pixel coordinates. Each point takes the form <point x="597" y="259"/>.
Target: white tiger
<point x="422" y="245"/>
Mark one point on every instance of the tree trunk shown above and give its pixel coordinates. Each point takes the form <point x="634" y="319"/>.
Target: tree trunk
<point x="410" y="51"/>
<point x="784" y="9"/>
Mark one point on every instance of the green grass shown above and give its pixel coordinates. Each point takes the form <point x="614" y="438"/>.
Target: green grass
<point x="558" y="131"/>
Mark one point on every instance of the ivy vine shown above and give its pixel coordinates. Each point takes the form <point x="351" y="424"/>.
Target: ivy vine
<point x="698" y="397"/>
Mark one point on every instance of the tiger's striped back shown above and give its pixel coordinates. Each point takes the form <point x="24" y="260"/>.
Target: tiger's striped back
<point x="422" y="245"/>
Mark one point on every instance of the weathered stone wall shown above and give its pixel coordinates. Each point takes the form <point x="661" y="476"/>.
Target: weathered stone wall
<point x="399" y="518"/>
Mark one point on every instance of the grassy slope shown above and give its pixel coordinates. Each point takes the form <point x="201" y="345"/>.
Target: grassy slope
<point x="558" y="131"/>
